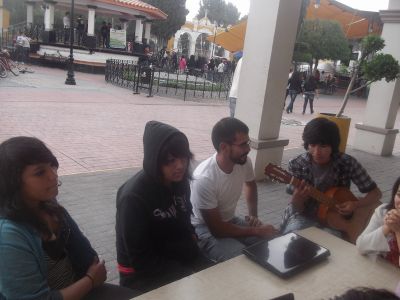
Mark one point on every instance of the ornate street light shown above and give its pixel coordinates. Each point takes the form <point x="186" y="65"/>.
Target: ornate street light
<point x="70" y="75"/>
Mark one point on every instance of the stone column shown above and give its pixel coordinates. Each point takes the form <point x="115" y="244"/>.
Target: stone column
<point x="192" y="44"/>
<point x="1" y="17"/>
<point x="376" y="134"/>
<point x="263" y="76"/>
<point x="147" y="31"/>
<point x="91" y="20"/>
<point x="29" y="13"/>
<point x="139" y="31"/>
<point x="49" y="15"/>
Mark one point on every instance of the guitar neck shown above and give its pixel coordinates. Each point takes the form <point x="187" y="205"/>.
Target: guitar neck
<point x="314" y="193"/>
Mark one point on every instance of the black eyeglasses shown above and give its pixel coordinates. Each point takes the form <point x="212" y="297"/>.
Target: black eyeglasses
<point x="242" y="145"/>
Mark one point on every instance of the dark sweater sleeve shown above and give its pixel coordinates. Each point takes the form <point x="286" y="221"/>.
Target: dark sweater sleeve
<point x="133" y="236"/>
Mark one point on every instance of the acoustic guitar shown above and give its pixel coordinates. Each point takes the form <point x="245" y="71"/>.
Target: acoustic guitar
<point x="350" y="226"/>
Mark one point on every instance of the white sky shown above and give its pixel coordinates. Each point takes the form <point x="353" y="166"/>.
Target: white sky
<point x="244" y="5"/>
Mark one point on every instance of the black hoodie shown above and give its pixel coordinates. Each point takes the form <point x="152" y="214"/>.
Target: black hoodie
<point x="153" y="221"/>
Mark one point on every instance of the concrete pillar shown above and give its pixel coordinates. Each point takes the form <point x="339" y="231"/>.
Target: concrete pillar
<point x="376" y="134"/>
<point x="147" y="31"/>
<point x="1" y="17"/>
<point x="91" y="20"/>
<point x="139" y="31"/>
<point x="49" y="15"/>
<point x="29" y="13"/>
<point x="263" y="77"/>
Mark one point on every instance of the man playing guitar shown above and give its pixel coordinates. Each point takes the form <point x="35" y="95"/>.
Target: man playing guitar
<point x="322" y="168"/>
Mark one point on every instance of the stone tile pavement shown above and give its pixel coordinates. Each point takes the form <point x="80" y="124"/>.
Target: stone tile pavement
<point x="95" y="130"/>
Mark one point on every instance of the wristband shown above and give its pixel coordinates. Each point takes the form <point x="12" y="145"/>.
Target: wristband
<point x="91" y="279"/>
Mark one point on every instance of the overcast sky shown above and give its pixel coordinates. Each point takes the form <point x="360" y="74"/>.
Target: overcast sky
<point x="244" y="5"/>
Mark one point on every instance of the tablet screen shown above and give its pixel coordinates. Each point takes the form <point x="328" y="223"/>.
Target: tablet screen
<point x="286" y="254"/>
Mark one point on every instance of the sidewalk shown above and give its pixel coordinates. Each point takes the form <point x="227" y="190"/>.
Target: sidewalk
<point x="95" y="130"/>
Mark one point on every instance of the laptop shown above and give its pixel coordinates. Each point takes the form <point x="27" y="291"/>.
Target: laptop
<point x="286" y="255"/>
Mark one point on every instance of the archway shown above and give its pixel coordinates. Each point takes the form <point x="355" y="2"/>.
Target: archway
<point x="202" y="46"/>
<point x="184" y="44"/>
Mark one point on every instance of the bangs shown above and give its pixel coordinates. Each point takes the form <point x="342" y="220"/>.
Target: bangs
<point x="177" y="146"/>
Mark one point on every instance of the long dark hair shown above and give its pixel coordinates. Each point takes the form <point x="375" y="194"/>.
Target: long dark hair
<point x="15" y="155"/>
<point x="394" y="192"/>
<point x="177" y="146"/>
<point x="323" y="132"/>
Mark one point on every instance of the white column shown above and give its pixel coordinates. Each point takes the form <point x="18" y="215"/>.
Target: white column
<point x="376" y="134"/>
<point x="29" y="13"/>
<point x="263" y="76"/>
<point x="49" y="16"/>
<point x="125" y="25"/>
<point x="139" y="31"/>
<point x="192" y="44"/>
<point x="147" y="30"/>
<point x="91" y="20"/>
<point x="1" y="17"/>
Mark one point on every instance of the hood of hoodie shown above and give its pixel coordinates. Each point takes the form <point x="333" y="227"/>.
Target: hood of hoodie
<point x="156" y="134"/>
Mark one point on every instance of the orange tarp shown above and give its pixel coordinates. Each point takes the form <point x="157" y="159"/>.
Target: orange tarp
<point x="355" y="23"/>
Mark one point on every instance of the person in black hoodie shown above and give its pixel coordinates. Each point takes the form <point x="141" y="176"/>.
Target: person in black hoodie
<point x="156" y="243"/>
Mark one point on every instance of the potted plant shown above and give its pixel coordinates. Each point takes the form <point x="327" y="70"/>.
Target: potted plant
<point x="371" y="66"/>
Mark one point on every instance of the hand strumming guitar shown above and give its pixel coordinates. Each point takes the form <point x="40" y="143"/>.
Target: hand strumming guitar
<point x="300" y="195"/>
<point x="347" y="208"/>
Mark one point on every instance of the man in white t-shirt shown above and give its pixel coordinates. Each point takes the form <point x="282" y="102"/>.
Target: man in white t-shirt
<point x="215" y="190"/>
<point x="67" y="26"/>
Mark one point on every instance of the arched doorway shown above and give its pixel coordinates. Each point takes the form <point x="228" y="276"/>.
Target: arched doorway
<point x="184" y="44"/>
<point x="202" y="46"/>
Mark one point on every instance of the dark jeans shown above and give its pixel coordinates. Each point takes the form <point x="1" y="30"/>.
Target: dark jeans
<point x="308" y="97"/>
<point x="174" y="270"/>
<point x="293" y="95"/>
<point x="110" y="291"/>
<point x="66" y="35"/>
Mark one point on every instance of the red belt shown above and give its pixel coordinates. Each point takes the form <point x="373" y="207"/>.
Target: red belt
<point x="125" y="270"/>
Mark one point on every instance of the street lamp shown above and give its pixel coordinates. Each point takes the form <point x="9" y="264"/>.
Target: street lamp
<point x="70" y="75"/>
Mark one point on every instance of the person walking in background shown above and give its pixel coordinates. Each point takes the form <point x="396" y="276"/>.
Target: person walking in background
<point x="310" y="89"/>
<point x="233" y="93"/>
<point x="382" y="235"/>
<point x="294" y="89"/>
<point x="104" y="33"/>
<point x="80" y="28"/>
<point x="67" y="25"/>
<point x="182" y="64"/>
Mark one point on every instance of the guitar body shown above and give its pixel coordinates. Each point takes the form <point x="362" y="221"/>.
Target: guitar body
<point x="337" y="195"/>
<point x="354" y="226"/>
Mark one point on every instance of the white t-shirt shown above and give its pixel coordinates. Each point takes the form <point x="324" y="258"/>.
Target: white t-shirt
<point x="212" y="188"/>
<point x="66" y="22"/>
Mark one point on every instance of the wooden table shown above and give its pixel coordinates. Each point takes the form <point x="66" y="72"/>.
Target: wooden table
<point x="240" y="278"/>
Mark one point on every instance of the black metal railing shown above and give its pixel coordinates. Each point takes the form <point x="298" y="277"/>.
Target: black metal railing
<point x="191" y="84"/>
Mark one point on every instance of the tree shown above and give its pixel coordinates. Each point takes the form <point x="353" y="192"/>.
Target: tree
<point x="176" y="11"/>
<point x="321" y="39"/>
<point x="219" y="11"/>
<point x="371" y="67"/>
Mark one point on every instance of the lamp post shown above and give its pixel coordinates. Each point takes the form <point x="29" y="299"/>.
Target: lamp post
<point x="70" y="75"/>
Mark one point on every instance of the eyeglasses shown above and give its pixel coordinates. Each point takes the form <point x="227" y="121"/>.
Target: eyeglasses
<point x="242" y="145"/>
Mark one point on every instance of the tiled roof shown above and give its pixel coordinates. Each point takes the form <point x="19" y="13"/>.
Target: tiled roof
<point x="139" y="6"/>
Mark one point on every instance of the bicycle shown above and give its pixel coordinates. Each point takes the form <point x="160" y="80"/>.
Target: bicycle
<point x="8" y="64"/>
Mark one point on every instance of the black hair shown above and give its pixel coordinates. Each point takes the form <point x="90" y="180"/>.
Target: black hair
<point x="177" y="146"/>
<point x="15" y="155"/>
<point x="224" y="131"/>
<point x="364" y="293"/>
<point x="394" y="192"/>
<point x="321" y="131"/>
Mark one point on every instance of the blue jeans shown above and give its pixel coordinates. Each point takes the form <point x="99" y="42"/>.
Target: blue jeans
<point x="308" y="96"/>
<point x="232" y="106"/>
<point x="221" y="249"/>
<point x="293" y="95"/>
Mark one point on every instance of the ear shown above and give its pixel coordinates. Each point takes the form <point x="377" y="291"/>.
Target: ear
<point x="223" y="146"/>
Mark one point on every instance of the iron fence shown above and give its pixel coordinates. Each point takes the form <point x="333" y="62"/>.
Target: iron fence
<point x="192" y="84"/>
